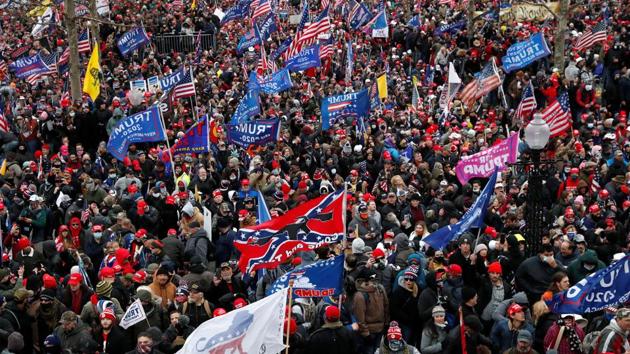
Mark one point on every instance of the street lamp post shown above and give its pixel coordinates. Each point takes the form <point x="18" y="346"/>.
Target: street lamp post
<point x="536" y="136"/>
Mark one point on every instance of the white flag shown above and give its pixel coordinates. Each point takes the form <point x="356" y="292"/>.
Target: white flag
<point x="255" y="328"/>
<point x="451" y="88"/>
<point x="207" y="222"/>
<point x="135" y="313"/>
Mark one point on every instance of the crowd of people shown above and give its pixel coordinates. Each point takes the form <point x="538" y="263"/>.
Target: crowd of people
<point x="84" y="235"/>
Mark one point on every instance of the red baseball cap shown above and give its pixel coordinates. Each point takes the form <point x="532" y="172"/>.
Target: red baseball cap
<point x="170" y="200"/>
<point x="75" y="279"/>
<point x="455" y="269"/>
<point x="239" y="302"/>
<point x="140" y="277"/>
<point x="108" y="272"/>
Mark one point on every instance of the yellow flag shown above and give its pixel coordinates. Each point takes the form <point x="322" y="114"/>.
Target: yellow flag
<point x="39" y="10"/>
<point x="193" y="6"/>
<point x="3" y="167"/>
<point x="381" y="83"/>
<point x="92" y="82"/>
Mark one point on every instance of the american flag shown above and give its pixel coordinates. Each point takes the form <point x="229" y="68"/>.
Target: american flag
<point x="185" y="88"/>
<point x="263" y="64"/>
<point x="65" y="57"/>
<point x="178" y="4"/>
<point x="326" y="49"/>
<point x="558" y="115"/>
<point x="325" y="3"/>
<point x="263" y="8"/>
<point x="528" y="103"/>
<point x="595" y="182"/>
<point x="3" y="68"/>
<point x="591" y="36"/>
<point x="198" y="49"/>
<point x="309" y="34"/>
<point x="51" y="64"/>
<point x="485" y="81"/>
<point x="84" y="42"/>
<point x="4" y="124"/>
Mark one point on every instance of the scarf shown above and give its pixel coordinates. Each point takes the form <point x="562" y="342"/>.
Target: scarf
<point x="384" y="349"/>
<point x="76" y="301"/>
<point x="75" y="231"/>
<point x="574" y="341"/>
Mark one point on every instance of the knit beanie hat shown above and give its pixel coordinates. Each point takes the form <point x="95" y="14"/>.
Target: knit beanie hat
<point x="357" y="245"/>
<point x="438" y="311"/>
<point x="394" y="332"/>
<point x="495" y="267"/>
<point x="15" y="342"/>
<point x="104" y="288"/>
<point x="468" y="293"/>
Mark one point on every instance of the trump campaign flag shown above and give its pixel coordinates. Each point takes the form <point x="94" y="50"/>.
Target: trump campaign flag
<point x="255" y="328"/>
<point x="521" y="54"/>
<point x="606" y="287"/>
<point x="249" y="39"/>
<point x="353" y="104"/>
<point x="195" y="140"/>
<point x="302" y="228"/>
<point x="136" y="128"/>
<point x="275" y="83"/>
<point x="33" y="65"/>
<point x="320" y="279"/>
<point x="258" y="132"/>
<point x="135" y="313"/>
<point x="247" y="108"/>
<point x="358" y="14"/>
<point x="306" y="59"/>
<point x="483" y="163"/>
<point x="132" y="40"/>
<point x="472" y="219"/>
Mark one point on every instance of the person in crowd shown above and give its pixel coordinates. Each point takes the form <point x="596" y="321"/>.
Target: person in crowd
<point x="332" y="336"/>
<point x="434" y="334"/>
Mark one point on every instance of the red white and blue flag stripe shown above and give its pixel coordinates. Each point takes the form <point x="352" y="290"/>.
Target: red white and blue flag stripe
<point x="84" y="42"/>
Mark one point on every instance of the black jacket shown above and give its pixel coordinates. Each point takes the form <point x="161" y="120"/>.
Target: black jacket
<point x="533" y="277"/>
<point x="331" y="338"/>
<point x="485" y="293"/>
<point x="117" y="341"/>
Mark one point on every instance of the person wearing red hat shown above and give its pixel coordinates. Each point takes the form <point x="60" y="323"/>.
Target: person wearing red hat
<point x="393" y="342"/>
<point x="146" y="217"/>
<point x="109" y="337"/>
<point x="492" y="291"/>
<point x="76" y="293"/>
<point x="502" y="334"/>
<point x="333" y="337"/>
<point x="27" y="255"/>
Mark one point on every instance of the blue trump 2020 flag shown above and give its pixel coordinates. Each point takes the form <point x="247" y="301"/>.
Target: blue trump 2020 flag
<point x="449" y="28"/>
<point x="320" y="279"/>
<point x="266" y="27"/>
<point x="275" y="83"/>
<point x="472" y="219"/>
<point x="521" y="54"/>
<point x="170" y="81"/>
<point x="195" y="140"/>
<point x="247" y="108"/>
<point x="358" y="14"/>
<point x="33" y="65"/>
<point x="233" y="13"/>
<point x="249" y="39"/>
<point x="353" y="104"/>
<point x="132" y="40"/>
<point x="136" y="128"/>
<point x="306" y="59"/>
<point x="257" y="132"/>
<point x="606" y="287"/>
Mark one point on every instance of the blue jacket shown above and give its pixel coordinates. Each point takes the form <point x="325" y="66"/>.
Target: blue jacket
<point x="503" y="338"/>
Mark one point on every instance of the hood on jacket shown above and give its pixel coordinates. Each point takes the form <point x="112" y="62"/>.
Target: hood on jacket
<point x="402" y="242"/>
<point x="589" y="257"/>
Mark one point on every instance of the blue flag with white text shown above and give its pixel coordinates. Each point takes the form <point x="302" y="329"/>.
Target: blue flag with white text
<point x="523" y="53"/>
<point x="132" y="40"/>
<point x="472" y="219"/>
<point x="137" y="128"/>
<point x="247" y="108"/>
<point x="249" y="39"/>
<point x="258" y="132"/>
<point x="305" y="59"/>
<point x="606" y="287"/>
<point x="274" y="83"/>
<point x="353" y="104"/>
<point x="195" y="140"/>
<point x="320" y="279"/>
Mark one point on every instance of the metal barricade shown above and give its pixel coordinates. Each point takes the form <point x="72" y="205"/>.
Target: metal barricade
<point x="182" y="43"/>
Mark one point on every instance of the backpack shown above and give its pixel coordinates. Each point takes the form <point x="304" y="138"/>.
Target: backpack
<point x="590" y="342"/>
<point x="206" y="308"/>
<point x="188" y="254"/>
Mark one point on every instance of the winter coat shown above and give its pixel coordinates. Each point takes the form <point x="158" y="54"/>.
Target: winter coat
<point x="331" y="338"/>
<point x="370" y="307"/>
<point x="564" y="347"/>
<point x="503" y="337"/>
<point x="468" y="270"/>
<point x="485" y="293"/>
<point x="576" y="270"/>
<point x="173" y="248"/>
<point x="75" y="339"/>
<point x="198" y="245"/>
<point x="118" y="341"/>
<point x="611" y="340"/>
<point x="166" y="292"/>
<point x="533" y="276"/>
<point x="216" y="291"/>
<point x="156" y="316"/>
<point x="403" y="306"/>
<point x="432" y="341"/>
<point x="367" y="227"/>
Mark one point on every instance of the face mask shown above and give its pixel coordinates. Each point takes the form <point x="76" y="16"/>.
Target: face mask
<point x="441" y="325"/>
<point x="567" y="170"/>
<point x="395" y="345"/>
<point x="156" y="195"/>
<point x="98" y="235"/>
<point x="112" y="176"/>
<point x="590" y="125"/>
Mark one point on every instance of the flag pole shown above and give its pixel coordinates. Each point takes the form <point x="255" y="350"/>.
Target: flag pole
<point x="288" y="319"/>
<point x="168" y="146"/>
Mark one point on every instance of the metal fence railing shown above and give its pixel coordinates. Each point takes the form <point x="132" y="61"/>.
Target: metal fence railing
<point x="168" y="43"/>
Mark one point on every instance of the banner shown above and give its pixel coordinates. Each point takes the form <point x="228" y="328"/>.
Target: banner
<point x="276" y="83"/>
<point x="353" y="104"/>
<point x="606" y="287"/>
<point x="381" y="83"/>
<point x="257" y="132"/>
<point x="528" y="12"/>
<point x="358" y="14"/>
<point x="195" y="140"/>
<point x="267" y="27"/>
<point x="449" y="28"/>
<point x="25" y="67"/>
<point x="132" y="40"/>
<point x="380" y="27"/>
<point x="320" y="279"/>
<point x="306" y="59"/>
<point x="170" y="81"/>
<point x="233" y="13"/>
<point x="249" y="39"/>
<point x="137" y="128"/>
<point x="135" y="313"/>
<point x="247" y="108"/>
<point x="472" y="219"/>
<point x="521" y="54"/>
<point x="255" y="328"/>
<point x="483" y="163"/>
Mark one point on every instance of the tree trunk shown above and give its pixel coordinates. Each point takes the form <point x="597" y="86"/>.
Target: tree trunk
<point x="559" y="36"/>
<point x="75" y="70"/>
